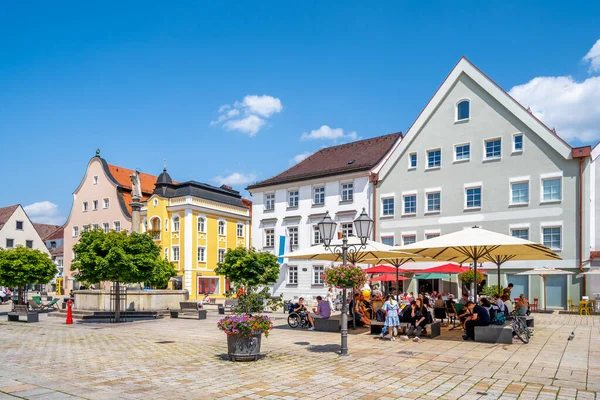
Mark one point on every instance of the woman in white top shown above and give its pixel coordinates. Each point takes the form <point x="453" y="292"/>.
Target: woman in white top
<point x="507" y="303"/>
<point x="330" y="297"/>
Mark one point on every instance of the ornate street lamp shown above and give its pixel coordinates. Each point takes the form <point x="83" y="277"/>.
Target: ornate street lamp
<point x="363" y="225"/>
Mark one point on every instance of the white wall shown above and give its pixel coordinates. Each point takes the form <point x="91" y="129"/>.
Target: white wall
<point x="309" y="215"/>
<point x="9" y="231"/>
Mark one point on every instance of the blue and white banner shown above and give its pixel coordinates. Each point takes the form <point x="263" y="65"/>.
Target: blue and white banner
<point x="282" y="240"/>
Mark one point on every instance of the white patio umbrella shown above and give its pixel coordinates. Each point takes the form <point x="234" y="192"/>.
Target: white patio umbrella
<point x="474" y="245"/>
<point x="356" y="254"/>
<point x="544" y="272"/>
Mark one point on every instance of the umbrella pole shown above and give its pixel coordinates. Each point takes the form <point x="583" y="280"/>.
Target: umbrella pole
<point x="475" y="279"/>
<point x="397" y="283"/>
<point x="499" y="294"/>
<point x="544" y="279"/>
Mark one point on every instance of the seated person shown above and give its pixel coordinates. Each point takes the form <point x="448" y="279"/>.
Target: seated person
<point x="522" y="306"/>
<point x="479" y="317"/>
<point x="376" y="294"/>
<point x="464" y="300"/>
<point x="352" y="314"/>
<point x="299" y="306"/>
<point x="360" y="311"/>
<point x="508" y="306"/>
<point x="499" y="303"/>
<point x="491" y="309"/>
<point x="418" y="319"/>
<point x="439" y="303"/>
<point x="450" y="302"/>
<point x="323" y="311"/>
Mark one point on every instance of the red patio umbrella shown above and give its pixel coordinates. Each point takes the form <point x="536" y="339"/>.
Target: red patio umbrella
<point x="446" y="269"/>
<point x="388" y="278"/>
<point x="380" y="269"/>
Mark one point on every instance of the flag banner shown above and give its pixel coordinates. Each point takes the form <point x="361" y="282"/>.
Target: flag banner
<point x="281" y="248"/>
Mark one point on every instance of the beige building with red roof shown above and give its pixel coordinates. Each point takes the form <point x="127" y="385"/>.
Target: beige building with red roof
<point x="102" y="200"/>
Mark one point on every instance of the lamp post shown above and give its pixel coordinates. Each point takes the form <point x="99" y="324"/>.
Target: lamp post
<point x="363" y="225"/>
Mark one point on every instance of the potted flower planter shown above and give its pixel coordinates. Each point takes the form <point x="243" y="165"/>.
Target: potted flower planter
<point x="244" y="347"/>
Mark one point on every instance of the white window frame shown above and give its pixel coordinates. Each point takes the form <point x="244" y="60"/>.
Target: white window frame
<point x="17" y="225"/>
<point x="203" y="258"/>
<point x="511" y="182"/>
<point x="520" y="228"/>
<point x="406" y="234"/>
<point x="175" y="254"/>
<point x="388" y="197"/>
<point x="456" y="110"/>
<point x="474" y="185"/>
<point x="344" y="228"/>
<point x="269" y="202"/>
<point x="291" y="195"/>
<point x="222" y="223"/>
<point x="12" y="243"/>
<point x="456" y="146"/>
<point x="240" y="228"/>
<point x="485" y="142"/>
<point x="175" y="223"/>
<point x="349" y="192"/>
<point x="292" y="270"/>
<point x="433" y="233"/>
<point x="95" y="179"/>
<point x="266" y="237"/>
<point x="427" y="167"/>
<point x="426" y="205"/>
<point x="117" y="224"/>
<point x="166" y="224"/>
<point x="552" y="224"/>
<point x="551" y="176"/>
<point x="75" y="231"/>
<point x="410" y="166"/>
<point x="85" y="206"/>
<point x="319" y="281"/>
<point x="221" y="255"/>
<point x="388" y="235"/>
<point x="514" y="150"/>
<point x="314" y="195"/>
<point x="316" y="232"/>
<point x="105" y="203"/>
<point x="95" y="226"/>
<point x="404" y="195"/>
<point x="106" y="227"/>
<point x="201" y="219"/>
<point x="296" y="236"/>
<point x="155" y="202"/>
<point x="95" y="205"/>
<point x="166" y="253"/>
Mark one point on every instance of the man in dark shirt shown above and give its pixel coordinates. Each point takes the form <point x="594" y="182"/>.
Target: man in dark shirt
<point x="508" y="289"/>
<point x="479" y="317"/>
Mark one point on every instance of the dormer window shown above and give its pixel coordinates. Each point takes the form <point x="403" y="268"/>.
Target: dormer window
<point x="463" y="110"/>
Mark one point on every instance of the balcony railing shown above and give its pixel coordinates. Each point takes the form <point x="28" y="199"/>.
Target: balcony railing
<point x="155" y="234"/>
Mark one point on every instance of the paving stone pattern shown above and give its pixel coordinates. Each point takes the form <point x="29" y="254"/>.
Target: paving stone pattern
<point x="186" y="359"/>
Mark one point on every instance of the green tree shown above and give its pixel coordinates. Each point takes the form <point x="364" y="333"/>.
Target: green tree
<point x="252" y="271"/>
<point x="22" y="266"/>
<point x="118" y="257"/>
<point x="163" y="272"/>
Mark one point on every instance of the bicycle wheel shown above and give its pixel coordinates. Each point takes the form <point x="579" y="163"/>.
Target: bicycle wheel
<point x="520" y="328"/>
<point x="293" y="320"/>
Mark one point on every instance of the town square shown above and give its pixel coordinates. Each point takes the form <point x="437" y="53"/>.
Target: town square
<point x="239" y="200"/>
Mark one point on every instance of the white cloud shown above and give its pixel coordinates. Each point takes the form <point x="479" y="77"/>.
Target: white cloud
<point x="571" y="107"/>
<point x="299" y="158"/>
<point x="250" y="125"/>
<point x="593" y="57"/>
<point x="44" y="212"/>
<point x="236" y="178"/>
<point x="325" y="132"/>
<point x="256" y="110"/>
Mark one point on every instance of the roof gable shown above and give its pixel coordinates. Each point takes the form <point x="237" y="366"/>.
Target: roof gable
<point x="361" y="155"/>
<point x="46" y="230"/>
<point x="464" y="66"/>
<point x="6" y="213"/>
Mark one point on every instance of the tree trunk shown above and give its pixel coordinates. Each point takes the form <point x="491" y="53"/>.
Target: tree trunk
<point x="118" y="303"/>
<point x="20" y="294"/>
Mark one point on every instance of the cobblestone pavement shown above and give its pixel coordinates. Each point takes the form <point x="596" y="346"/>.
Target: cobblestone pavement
<point x="185" y="359"/>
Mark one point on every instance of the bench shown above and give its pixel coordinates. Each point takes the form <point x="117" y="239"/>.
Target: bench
<point x="433" y="329"/>
<point x="23" y="311"/>
<point x="494" y="334"/>
<point x="331" y="324"/>
<point x="189" y="306"/>
<point x="227" y="306"/>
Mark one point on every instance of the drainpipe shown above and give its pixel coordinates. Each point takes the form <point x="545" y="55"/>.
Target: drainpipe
<point x="581" y="153"/>
<point x="373" y="179"/>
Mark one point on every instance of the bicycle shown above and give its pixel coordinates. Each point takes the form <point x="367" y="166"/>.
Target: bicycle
<point x="520" y="328"/>
<point x="298" y="319"/>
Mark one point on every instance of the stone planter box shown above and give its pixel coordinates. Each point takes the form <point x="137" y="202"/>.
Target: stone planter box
<point x="244" y="348"/>
<point x="137" y="300"/>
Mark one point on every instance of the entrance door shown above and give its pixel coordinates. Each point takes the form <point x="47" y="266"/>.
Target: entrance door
<point x="556" y="291"/>
<point x="521" y="286"/>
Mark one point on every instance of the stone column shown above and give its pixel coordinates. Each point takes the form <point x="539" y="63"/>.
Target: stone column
<point x="136" y="206"/>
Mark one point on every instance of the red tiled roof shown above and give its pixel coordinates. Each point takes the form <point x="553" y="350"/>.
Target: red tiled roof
<point x="121" y="175"/>
<point x="351" y="157"/>
<point x="59" y="251"/>
<point x="57" y="234"/>
<point x="248" y="203"/>
<point x="45" y="230"/>
<point x="5" y="213"/>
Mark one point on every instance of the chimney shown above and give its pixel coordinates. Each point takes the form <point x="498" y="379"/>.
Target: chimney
<point x="226" y="187"/>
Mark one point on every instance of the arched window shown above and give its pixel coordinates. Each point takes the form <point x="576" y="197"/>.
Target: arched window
<point x="201" y="224"/>
<point x="463" y="110"/>
<point x="175" y="224"/>
<point x="155" y="224"/>
<point x="222" y="228"/>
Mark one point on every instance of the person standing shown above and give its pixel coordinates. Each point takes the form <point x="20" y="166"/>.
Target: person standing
<point x="392" y="322"/>
<point x="330" y="297"/>
<point x="507" y="290"/>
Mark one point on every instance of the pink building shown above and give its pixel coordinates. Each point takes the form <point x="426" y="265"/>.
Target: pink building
<point x="102" y="200"/>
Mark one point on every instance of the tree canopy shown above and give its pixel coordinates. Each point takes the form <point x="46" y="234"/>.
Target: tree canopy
<point x="21" y="266"/>
<point x="119" y="257"/>
<point x="248" y="267"/>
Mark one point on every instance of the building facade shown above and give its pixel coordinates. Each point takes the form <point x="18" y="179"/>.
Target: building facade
<point x="102" y="200"/>
<point x="195" y="224"/>
<point x="53" y="237"/>
<point x="17" y="230"/>
<point x="287" y="207"/>
<point x="474" y="156"/>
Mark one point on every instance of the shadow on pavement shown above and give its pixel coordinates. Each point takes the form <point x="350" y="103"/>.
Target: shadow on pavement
<point x="325" y="348"/>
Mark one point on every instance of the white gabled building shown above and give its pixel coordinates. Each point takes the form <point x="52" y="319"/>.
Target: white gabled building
<point x="17" y="230"/>
<point x="287" y="207"/>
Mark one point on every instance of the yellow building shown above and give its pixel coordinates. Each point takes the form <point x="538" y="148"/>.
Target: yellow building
<point x="195" y="223"/>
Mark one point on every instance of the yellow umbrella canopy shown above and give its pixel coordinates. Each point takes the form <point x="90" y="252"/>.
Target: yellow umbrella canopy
<point x="473" y="245"/>
<point x="356" y="252"/>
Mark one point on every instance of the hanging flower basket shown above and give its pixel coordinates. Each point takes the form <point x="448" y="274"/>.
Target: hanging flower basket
<point x="348" y="276"/>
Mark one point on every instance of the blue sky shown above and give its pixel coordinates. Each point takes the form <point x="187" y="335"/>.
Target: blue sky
<point x="146" y="80"/>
